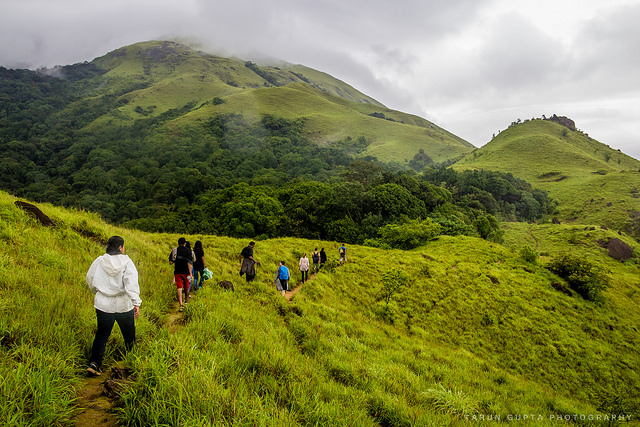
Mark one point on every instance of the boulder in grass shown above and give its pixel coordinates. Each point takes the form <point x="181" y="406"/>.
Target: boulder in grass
<point x="619" y="250"/>
<point x="225" y="284"/>
<point x="35" y="212"/>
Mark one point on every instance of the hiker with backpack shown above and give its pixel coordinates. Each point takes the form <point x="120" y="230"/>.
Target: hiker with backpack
<point x="181" y="258"/>
<point x="248" y="263"/>
<point x="282" y="278"/>
<point x="342" y="251"/>
<point x="323" y="257"/>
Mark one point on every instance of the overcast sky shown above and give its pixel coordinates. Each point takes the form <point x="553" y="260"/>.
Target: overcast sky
<point x="470" y="66"/>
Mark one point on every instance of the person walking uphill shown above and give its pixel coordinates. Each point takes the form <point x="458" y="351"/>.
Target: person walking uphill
<point x="198" y="266"/>
<point x="113" y="278"/>
<point x="323" y="257"/>
<point x="248" y="263"/>
<point x="182" y="269"/>
<point x="282" y="278"/>
<point x="315" y="256"/>
<point x="342" y="251"/>
<point x="304" y="267"/>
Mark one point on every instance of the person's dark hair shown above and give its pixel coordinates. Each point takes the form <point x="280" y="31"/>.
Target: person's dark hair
<point x="188" y="244"/>
<point x="282" y="262"/>
<point x="252" y="243"/>
<point x="182" y="241"/>
<point x="198" y="245"/>
<point x="113" y="245"/>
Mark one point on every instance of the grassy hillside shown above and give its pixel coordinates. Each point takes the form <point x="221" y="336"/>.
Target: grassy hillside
<point x="329" y="118"/>
<point x="477" y="332"/>
<point x="153" y="77"/>
<point x="593" y="183"/>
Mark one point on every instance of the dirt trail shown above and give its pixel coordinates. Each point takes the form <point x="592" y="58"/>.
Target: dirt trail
<point x="289" y="294"/>
<point x="95" y="405"/>
<point x="94" y="401"/>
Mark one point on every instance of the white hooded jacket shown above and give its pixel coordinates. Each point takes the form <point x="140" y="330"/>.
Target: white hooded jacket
<point x="114" y="280"/>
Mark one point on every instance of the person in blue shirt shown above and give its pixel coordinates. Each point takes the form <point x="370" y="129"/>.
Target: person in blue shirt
<point x="282" y="278"/>
<point x="343" y="254"/>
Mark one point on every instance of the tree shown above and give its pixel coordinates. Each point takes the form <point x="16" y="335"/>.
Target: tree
<point x="488" y="228"/>
<point x="411" y="234"/>
<point x="393" y="201"/>
<point x="392" y="283"/>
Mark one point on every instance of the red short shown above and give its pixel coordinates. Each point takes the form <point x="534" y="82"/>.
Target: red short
<point x="181" y="281"/>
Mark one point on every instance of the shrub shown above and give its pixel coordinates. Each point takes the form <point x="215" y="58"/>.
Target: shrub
<point x="488" y="228"/>
<point x="528" y="254"/>
<point x="582" y="275"/>
<point x="453" y="226"/>
<point x="375" y="243"/>
<point x="392" y="283"/>
<point x="409" y="235"/>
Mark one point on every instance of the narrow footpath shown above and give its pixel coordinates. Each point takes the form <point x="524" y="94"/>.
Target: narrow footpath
<point x="97" y="395"/>
<point x="289" y="294"/>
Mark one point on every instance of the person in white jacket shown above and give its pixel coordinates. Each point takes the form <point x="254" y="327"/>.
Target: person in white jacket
<point x="113" y="279"/>
<point x="304" y="267"/>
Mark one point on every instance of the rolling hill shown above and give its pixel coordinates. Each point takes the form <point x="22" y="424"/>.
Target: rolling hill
<point x="153" y="77"/>
<point x="593" y="183"/>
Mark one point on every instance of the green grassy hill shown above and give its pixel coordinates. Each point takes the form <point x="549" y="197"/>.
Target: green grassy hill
<point x="476" y="333"/>
<point x="593" y="183"/>
<point x="152" y="78"/>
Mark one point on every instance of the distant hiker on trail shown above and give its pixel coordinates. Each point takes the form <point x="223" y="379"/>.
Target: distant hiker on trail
<point x="113" y="278"/>
<point x="323" y="257"/>
<point x="315" y="256"/>
<point x="282" y="278"/>
<point x="182" y="269"/>
<point x="198" y="266"/>
<point x="304" y="267"/>
<point x="342" y="251"/>
<point x="248" y="263"/>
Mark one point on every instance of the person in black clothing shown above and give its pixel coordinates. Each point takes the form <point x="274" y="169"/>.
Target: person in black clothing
<point x="323" y="257"/>
<point x="315" y="256"/>
<point x="248" y="263"/>
<point x="191" y="261"/>
<point x="198" y="266"/>
<point x="182" y="270"/>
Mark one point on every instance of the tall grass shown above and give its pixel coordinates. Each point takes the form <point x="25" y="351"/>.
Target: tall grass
<point x="478" y="332"/>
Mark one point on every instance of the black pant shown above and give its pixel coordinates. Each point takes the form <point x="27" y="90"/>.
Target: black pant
<point x="304" y="275"/>
<point x="127" y="325"/>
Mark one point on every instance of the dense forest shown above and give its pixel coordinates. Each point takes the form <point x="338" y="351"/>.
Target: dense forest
<point x="232" y="177"/>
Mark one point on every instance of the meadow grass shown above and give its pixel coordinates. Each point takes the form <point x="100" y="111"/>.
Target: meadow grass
<point x="477" y="333"/>
<point x="152" y="78"/>
<point x="595" y="184"/>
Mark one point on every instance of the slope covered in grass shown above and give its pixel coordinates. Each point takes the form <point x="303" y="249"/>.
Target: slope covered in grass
<point x="477" y="332"/>
<point x="593" y="183"/>
<point x="152" y="78"/>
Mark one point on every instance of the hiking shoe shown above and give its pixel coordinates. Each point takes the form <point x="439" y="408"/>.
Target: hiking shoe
<point x="93" y="369"/>
<point x="181" y="308"/>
